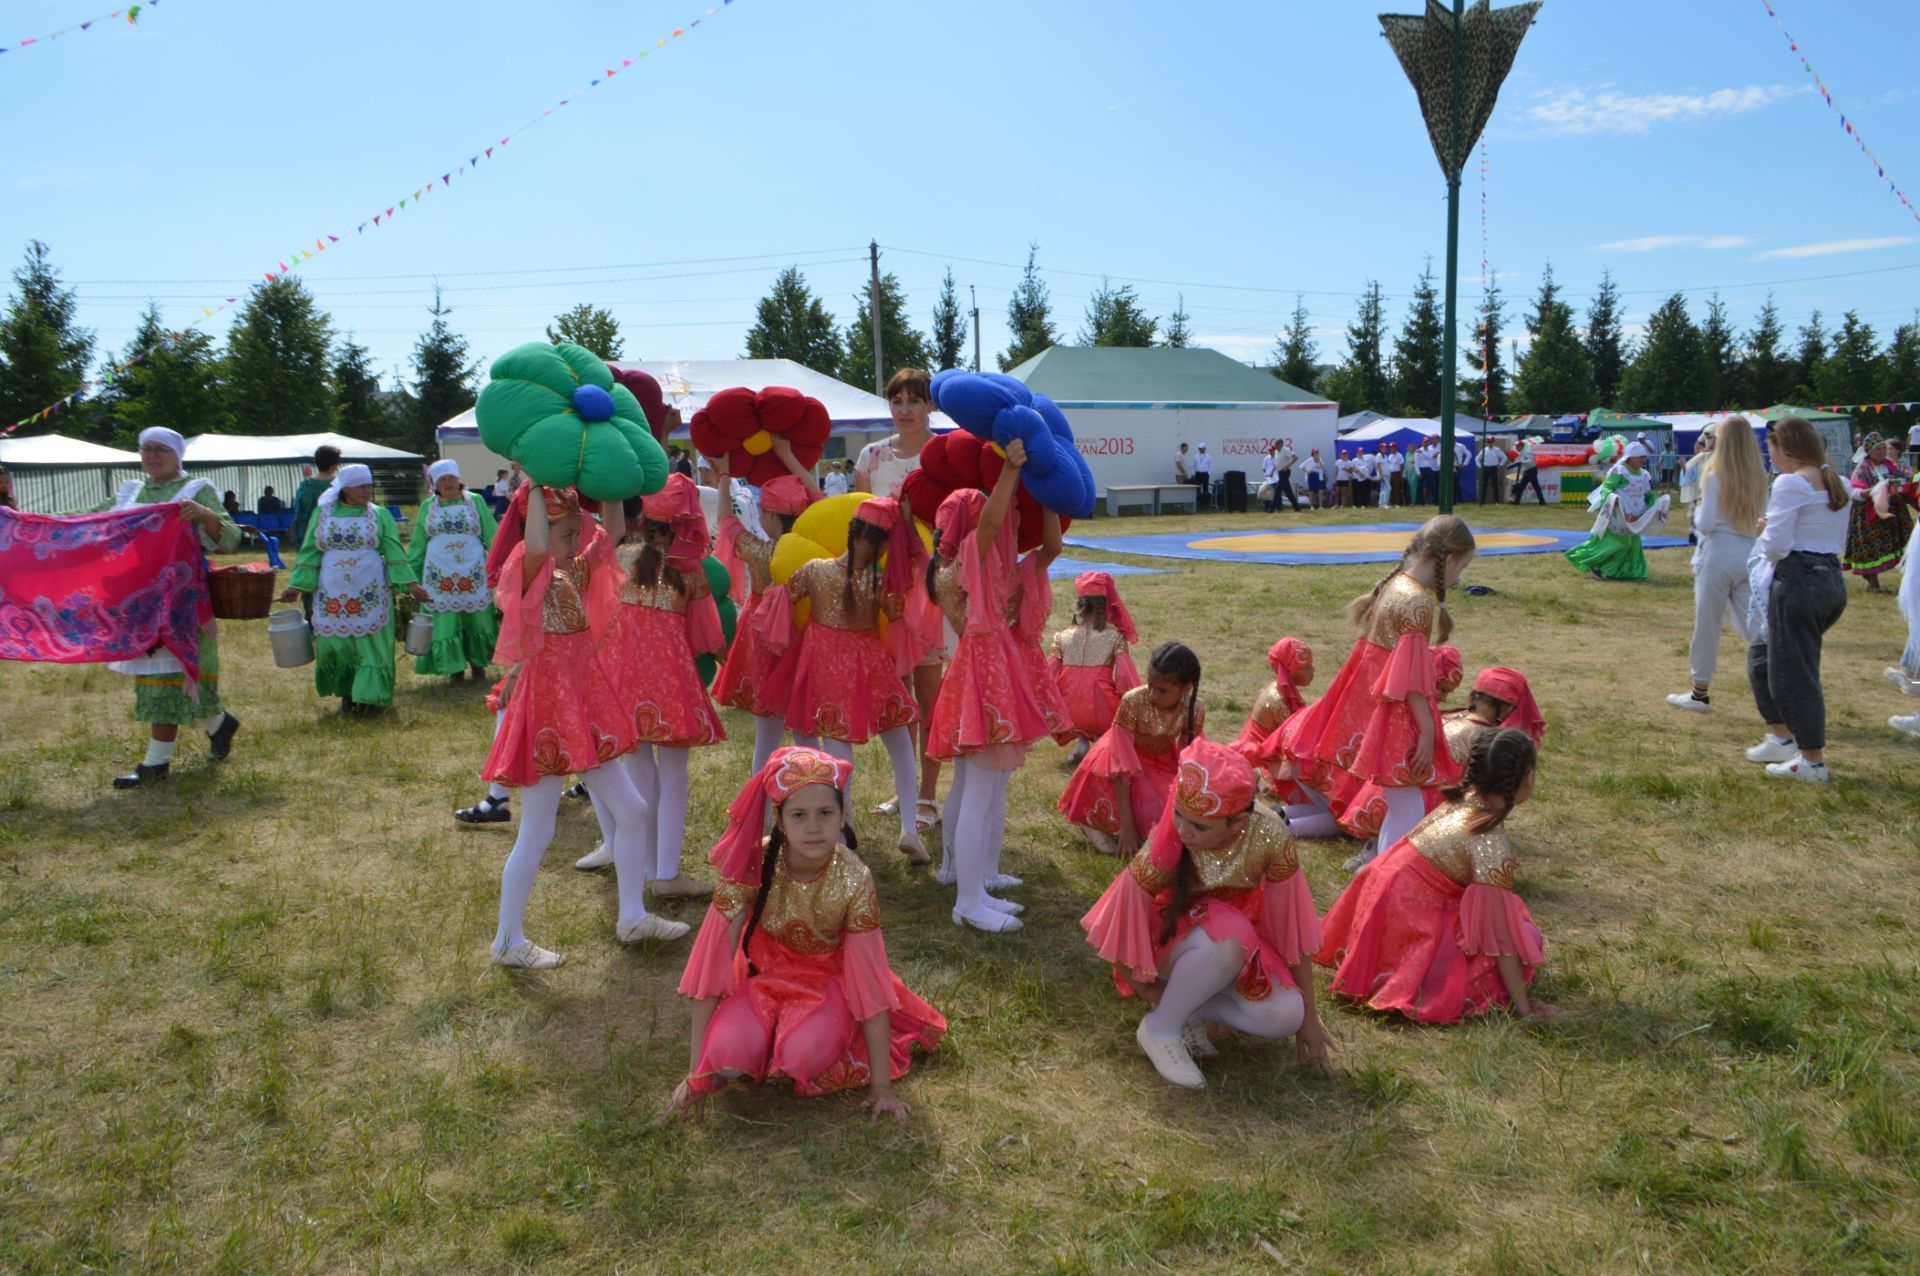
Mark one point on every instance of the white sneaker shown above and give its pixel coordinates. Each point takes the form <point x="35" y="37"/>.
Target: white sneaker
<point x="1004" y="882"/>
<point x="1689" y="701"/>
<point x="526" y="955"/>
<point x="1198" y="1041"/>
<point x="1898" y="677"/>
<point x="599" y="857"/>
<point x="1170" y="1059"/>
<point x="991" y="920"/>
<point x="1909" y="724"/>
<point x="1798" y="768"/>
<point x="650" y="927"/>
<point x="1773" y="749"/>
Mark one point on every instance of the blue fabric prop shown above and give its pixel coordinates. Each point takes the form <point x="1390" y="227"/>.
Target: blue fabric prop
<point x="999" y="408"/>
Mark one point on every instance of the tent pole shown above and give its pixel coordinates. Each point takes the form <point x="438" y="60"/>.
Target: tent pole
<point x="1449" y="354"/>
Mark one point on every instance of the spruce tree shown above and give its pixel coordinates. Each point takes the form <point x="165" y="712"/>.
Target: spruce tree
<point x="1719" y="361"/>
<point x="949" y="336"/>
<point x="1766" y="377"/>
<point x="792" y="323"/>
<point x="1416" y="352"/>
<point x="592" y="327"/>
<point x="1114" y="318"/>
<point x="1555" y="375"/>
<point x="1852" y="371"/>
<point x="1295" y="355"/>
<point x="1606" y="342"/>
<point x="361" y="410"/>
<point x="1179" y="330"/>
<point x="1029" y="316"/>
<point x="180" y="386"/>
<point x="1901" y="367"/>
<point x="277" y="362"/>
<point x="1485" y="393"/>
<point x="1668" y="368"/>
<point x="901" y="345"/>
<point x="1810" y="354"/>
<point x="444" y="378"/>
<point x="43" y="352"/>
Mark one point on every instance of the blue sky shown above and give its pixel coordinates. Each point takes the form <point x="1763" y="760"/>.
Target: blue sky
<point x="1235" y="152"/>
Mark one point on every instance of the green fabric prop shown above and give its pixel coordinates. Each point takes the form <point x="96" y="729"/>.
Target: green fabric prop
<point x="722" y="586"/>
<point x="557" y="411"/>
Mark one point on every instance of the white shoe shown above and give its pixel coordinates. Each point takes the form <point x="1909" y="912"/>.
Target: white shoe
<point x="1773" y="749"/>
<point x="1105" y="843"/>
<point x="1198" y="1041"/>
<point x="1689" y="701"/>
<point x="991" y="920"/>
<point x="1798" y="768"/>
<point x="680" y="886"/>
<point x="1010" y="907"/>
<point x="1898" y="677"/>
<point x="914" y="849"/>
<point x="650" y="927"/>
<point x="1909" y="724"/>
<point x="1363" y="857"/>
<point x="945" y="874"/>
<point x="1004" y="882"/>
<point x="599" y="857"/>
<point x="526" y="955"/>
<point x="1170" y="1059"/>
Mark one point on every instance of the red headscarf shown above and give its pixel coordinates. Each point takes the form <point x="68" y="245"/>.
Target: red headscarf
<point x="1510" y="686"/>
<point x="1214" y="783"/>
<point x="785" y="495"/>
<point x="1447" y="670"/>
<point x="678" y="506"/>
<point x="1100" y="585"/>
<point x="737" y="853"/>
<point x="903" y="546"/>
<point x="562" y="502"/>
<point x="1287" y="658"/>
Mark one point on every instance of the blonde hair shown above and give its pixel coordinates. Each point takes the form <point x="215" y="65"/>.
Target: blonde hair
<point x="1440" y="538"/>
<point x="1734" y="463"/>
<point x="1796" y="440"/>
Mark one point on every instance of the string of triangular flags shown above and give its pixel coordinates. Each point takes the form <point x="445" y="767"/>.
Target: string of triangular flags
<point x="1847" y="409"/>
<point x="379" y="218"/>
<point x="1486" y="381"/>
<point x="130" y="12"/>
<point x="1845" y="123"/>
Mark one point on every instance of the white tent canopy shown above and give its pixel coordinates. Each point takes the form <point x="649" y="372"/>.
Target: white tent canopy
<point x="53" y="473"/>
<point x="58" y="449"/>
<point x="1387" y="427"/>
<point x="254" y="449"/>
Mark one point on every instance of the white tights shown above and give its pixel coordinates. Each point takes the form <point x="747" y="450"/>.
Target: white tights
<point x="1200" y="984"/>
<point x="976" y="824"/>
<point x="767" y="735"/>
<point x="612" y="791"/>
<point x="498" y="791"/>
<point x="898" y="742"/>
<point x="1313" y="817"/>
<point x="659" y="775"/>
<point x="1405" y="808"/>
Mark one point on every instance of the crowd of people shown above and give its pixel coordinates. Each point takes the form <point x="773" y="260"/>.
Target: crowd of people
<point x="941" y="655"/>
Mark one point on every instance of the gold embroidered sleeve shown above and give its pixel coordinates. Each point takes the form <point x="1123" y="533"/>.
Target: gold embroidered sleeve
<point x="1283" y="858"/>
<point x="1151" y="879"/>
<point x="1054" y="650"/>
<point x="1132" y="705"/>
<point x="863" y="910"/>
<point x="1493" y="860"/>
<point x="1199" y="716"/>
<point x="733" y="899"/>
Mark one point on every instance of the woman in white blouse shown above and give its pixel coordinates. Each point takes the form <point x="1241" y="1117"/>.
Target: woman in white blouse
<point x="1802" y="536"/>
<point x="1732" y="492"/>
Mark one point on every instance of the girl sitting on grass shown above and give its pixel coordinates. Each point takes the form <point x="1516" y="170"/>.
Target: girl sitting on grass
<point x="1090" y="659"/>
<point x="1292" y="663"/>
<point x="1117" y="793"/>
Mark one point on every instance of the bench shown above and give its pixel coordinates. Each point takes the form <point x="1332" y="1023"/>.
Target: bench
<point x="1153" y="494"/>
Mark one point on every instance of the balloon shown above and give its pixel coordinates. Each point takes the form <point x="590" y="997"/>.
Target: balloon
<point x="557" y="410"/>
<point x="821" y="532"/>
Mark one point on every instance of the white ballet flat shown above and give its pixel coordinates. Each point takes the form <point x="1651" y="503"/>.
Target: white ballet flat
<point x="650" y="927"/>
<point x="1004" y="882"/>
<point x="992" y="921"/>
<point x="1007" y="906"/>
<point x="599" y="857"/>
<point x="526" y="955"/>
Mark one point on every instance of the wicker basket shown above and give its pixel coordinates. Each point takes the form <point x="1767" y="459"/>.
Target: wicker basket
<point x="241" y="593"/>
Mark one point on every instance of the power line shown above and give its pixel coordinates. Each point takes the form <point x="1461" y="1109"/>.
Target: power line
<point x="530" y="270"/>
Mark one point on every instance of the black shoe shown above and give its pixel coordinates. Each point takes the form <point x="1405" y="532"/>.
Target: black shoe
<point x="459" y="678"/>
<point x="221" y="741"/>
<point x="576" y="791"/>
<point x="346" y="704"/>
<point x="479" y="673"/>
<point x="486" y="811"/>
<point x="142" y="774"/>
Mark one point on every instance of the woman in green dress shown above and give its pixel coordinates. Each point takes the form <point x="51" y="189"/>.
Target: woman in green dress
<point x="160" y="696"/>
<point x="352" y="563"/>
<point x="1613" y="550"/>
<point x="448" y="553"/>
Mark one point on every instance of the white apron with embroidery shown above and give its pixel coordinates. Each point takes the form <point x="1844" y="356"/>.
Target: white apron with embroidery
<point x="456" y="563"/>
<point x="353" y="600"/>
<point x="159" y="660"/>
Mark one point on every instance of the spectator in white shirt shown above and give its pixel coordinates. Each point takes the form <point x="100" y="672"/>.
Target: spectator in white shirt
<point x="1284" y="458"/>
<point x="1803" y="534"/>
<point x="1462" y="462"/>
<point x="1182" y="466"/>
<point x="1529" y="474"/>
<point x="1203" y="476"/>
<point x="1316" y="472"/>
<point x="1343" y="479"/>
<point x="1426" y="467"/>
<point x="1487" y="481"/>
<point x="837" y="482"/>
<point x="1395" y="464"/>
<point x="1913" y="446"/>
<point x="1732" y="494"/>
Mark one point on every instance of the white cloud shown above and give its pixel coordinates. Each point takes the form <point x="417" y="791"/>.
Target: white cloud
<point x="1653" y="243"/>
<point x="1583" y="113"/>
<point x="1237" y="345"/>
<point x="1833" y="247"/>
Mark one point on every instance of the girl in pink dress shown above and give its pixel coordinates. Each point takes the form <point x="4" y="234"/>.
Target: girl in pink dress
<point x="743" y="681"/>
<point x="1213" y="923"/>
<point x="1359" y="805"/>
<point x="844" y="683"/>
<point x="1120" y="788"/>
<point x="1432" y="929"/>
<point x="562" y="717"/>
<point x="655" y="617"/>
<point x="1377" y="719"/>
<point x="1292" y="663"/>
<point x="789" y="976"/>
<point x="987" y="714"/>
<point x="1091" y="662"/>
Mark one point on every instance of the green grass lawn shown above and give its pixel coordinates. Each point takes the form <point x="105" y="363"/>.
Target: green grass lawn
<point x="247" y="1022"/>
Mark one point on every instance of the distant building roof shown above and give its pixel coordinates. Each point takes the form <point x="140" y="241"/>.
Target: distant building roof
<point x="1153" y="374"/>
<point x="256" y="449"/>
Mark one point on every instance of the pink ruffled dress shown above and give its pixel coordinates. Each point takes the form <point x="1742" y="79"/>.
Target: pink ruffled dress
<point x="563" y="716"/>
<point x="813" y="971"/>
<point x="844" y="682"/>
<point x="743" y="682"/>
<point x="1418" y="929"/>
<point x="1259" y="740"/>
<point x="1035" y="602"/>
<point x="1143" y="745"/>
<point x="1093" y="669"/>
<point x="986" y="702"/>
<point x="1364" y="723"/>
<point x="1360" y="805"/>
<point x="649" y="650"/>
<point x="1251" y="892"/>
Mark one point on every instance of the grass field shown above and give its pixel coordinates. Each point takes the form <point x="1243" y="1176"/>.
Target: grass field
<point x="247" y="1022"/>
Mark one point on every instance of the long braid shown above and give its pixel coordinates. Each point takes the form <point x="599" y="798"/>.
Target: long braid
<point x="768" y="862"/>
<point x="1182" y="894"/>
<point x="1193" y="706"/>
<point x="1497" y="764"/>
<point x="1361" y="608"/>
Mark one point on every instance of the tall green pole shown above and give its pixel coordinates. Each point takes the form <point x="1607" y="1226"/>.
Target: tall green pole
<point x="1449" y="354"/>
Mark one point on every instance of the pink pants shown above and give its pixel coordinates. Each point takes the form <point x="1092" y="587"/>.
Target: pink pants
<point x="801" y="1044"/>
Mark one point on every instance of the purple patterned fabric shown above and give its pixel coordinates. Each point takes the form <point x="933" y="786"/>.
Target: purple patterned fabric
<point x="100" y="587"/>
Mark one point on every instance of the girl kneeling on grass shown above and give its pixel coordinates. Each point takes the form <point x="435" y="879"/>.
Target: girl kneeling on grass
<point x="789" y="977"/>
<point x="1432" y="929"/>
<point x="1292" y="663"/>
<point x="1090" y="662"/>
<point x="1120" y="787"/>
<point x="1213" y="923"/>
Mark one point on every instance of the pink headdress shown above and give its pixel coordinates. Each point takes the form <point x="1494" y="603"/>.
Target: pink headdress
<point x="1510" y="685"/>
<point x="785" y="495"/>
<point x="678" y="506"/>
<point x="1214" y="783"/>
<point x="1287" y="658"/>
<point x="1447" y="670"/>
<point x="903" y="546"/>
<point x="737" y="854"/>
<point x="1100" y="585"/>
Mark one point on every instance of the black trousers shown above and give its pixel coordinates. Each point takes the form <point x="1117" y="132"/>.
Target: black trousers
<point x="1283" y="490"/>
<point x="1529" y="477"/>
<point x="1485" y="481"/>
<point x="1808" y="596"/>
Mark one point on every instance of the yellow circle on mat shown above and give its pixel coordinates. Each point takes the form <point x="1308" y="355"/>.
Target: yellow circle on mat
<point x="1348" y="542"/>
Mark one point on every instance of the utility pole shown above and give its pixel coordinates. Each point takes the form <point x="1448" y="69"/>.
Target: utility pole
<point x="1450" y="354"/>
<point x="873" y="310"/>
<point x="971" y="292"/>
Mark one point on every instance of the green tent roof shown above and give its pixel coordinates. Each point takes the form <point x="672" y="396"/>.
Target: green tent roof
<point x="1154" y="374"/>
<point x="1608" y="419"/>
<point x="1779" y="410"/>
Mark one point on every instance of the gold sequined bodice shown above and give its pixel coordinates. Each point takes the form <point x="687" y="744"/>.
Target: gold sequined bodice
<point x="660" y="596"/>
<point x="1451" y="846"/>
<point x="1461" y="731"/>
<point x="950" y="597"/>
<point x="1083" y="646"/>
<point x="757" y="554"/>
<point x="1264" y="853"/>
<point x="810" y="916"/>
<point x="562" y="611"/>
<point x="1269" y="708"/>
<point x="1157" y="731"/>
<point x="1404" y="606"/>
<point x="823" y="583"/>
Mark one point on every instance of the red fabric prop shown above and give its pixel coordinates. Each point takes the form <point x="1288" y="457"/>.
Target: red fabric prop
<point x="102" y="587"/>
<point x="513" y="527"/>
<point x="653" y="401"/>
<point x="957" y="460"/>
<point x="738" y="423"/>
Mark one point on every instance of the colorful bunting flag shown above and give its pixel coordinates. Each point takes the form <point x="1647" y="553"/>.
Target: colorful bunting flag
<point x="133" y="18"/>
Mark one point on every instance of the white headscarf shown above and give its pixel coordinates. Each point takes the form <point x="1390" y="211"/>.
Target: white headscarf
<point x="1636" y="449"/>
<point x="446" y="467"/>
<point x="169" y="439"/>
<point x="348" y="476"/>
